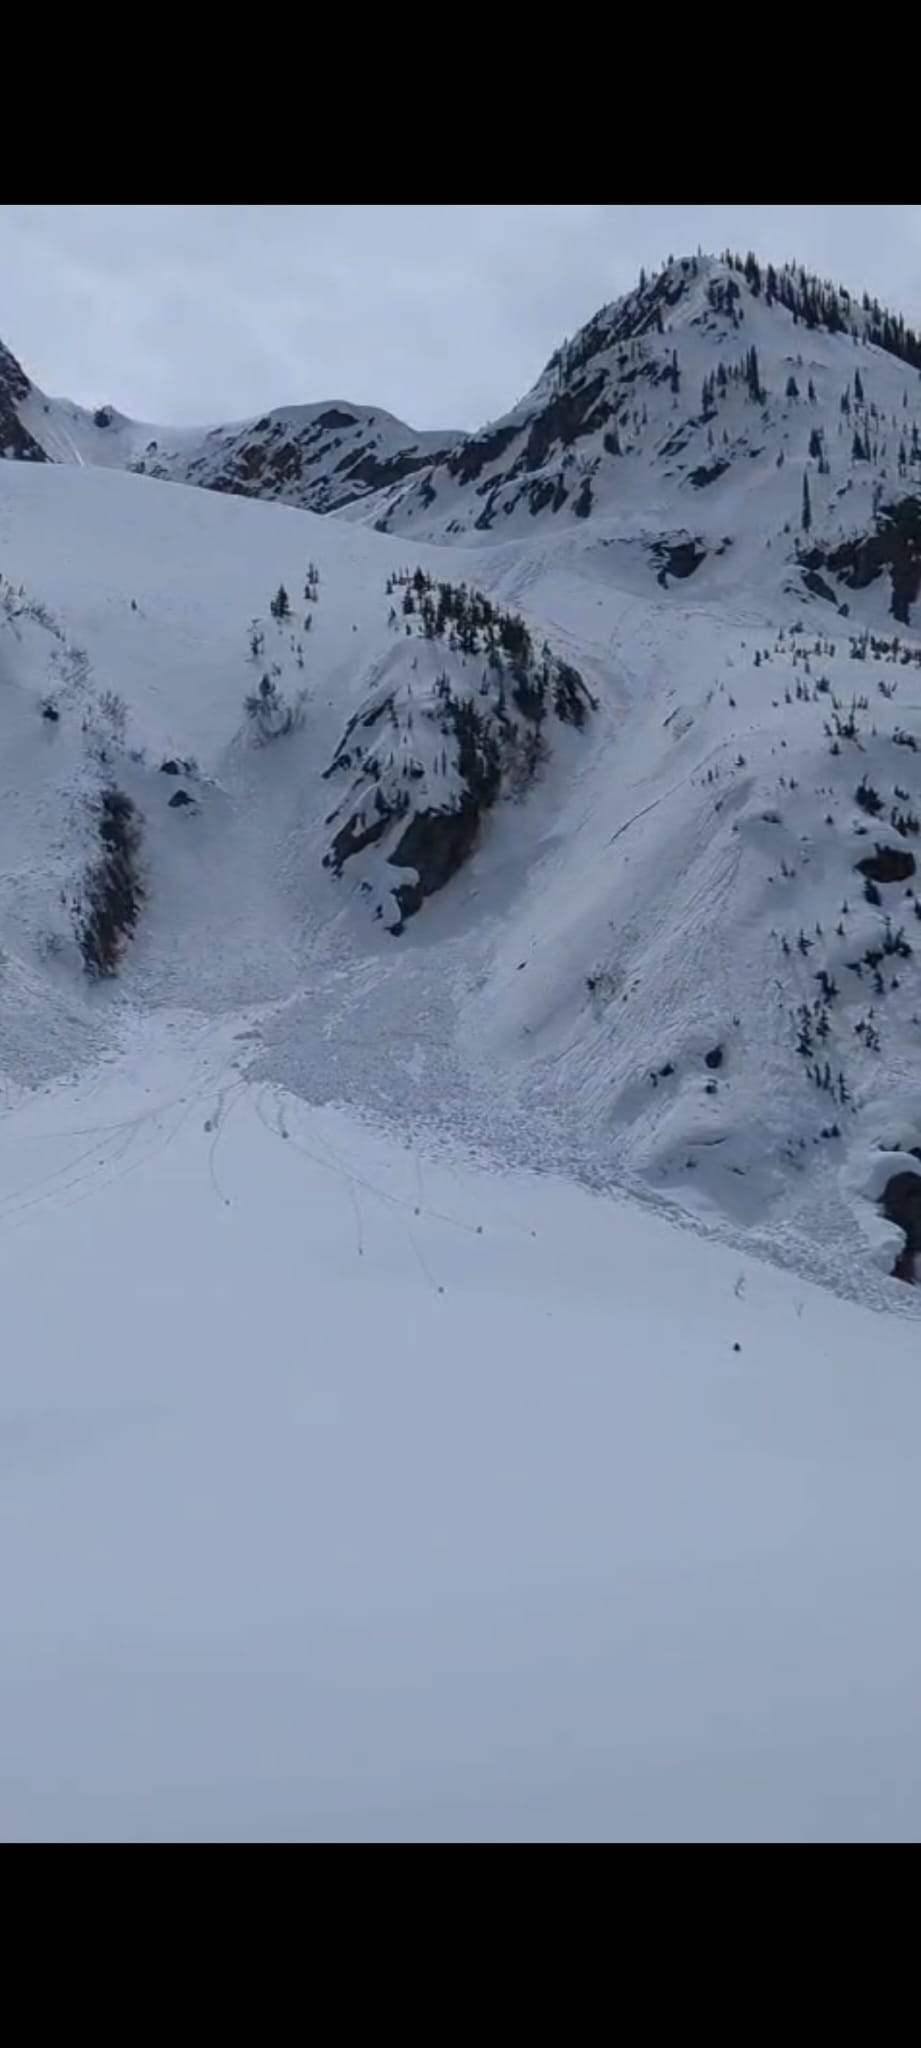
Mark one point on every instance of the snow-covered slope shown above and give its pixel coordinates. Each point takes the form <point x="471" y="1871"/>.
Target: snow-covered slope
<point x="695" y="403"/>
<point x="352" y="1494"/>
<point x="320" y="456"/>
<point x="651" y="785"/>
<point x="359" y="893"/>
<point x="644" y="898"/>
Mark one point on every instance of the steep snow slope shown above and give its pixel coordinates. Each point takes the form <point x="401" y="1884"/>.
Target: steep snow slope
<point x="138" y="649"/>
<point x="643" y="971"/>
<point x="350" y="1494"/>
<point x="362" y="1480"/>
<point x="317" y="456"/>
<point x="661" y="959"/>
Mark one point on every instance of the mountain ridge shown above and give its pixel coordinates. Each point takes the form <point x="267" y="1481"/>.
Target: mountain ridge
<point x="587" y="834"/>
<point x="318" y="457"/>
<point x="331" y="454"/>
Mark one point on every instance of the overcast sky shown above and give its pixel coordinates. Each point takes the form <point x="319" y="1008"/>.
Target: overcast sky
<point x="443" y="314"/>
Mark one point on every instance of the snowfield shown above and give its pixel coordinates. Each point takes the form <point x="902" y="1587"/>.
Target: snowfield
<point x="460" y="1018"/>
<point x="355" y="1494"/>
<point x="663" y="895"/>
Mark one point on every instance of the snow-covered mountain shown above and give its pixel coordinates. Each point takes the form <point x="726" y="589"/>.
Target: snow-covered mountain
<point x="320" y="457"/>
<point x="618" y="694"/>
<point x="548" y="814"/>
<point x="677" y="399"/>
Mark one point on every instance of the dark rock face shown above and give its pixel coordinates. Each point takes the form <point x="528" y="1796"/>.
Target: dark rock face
<point x="467" y="462"/>
<point x="901" y="1203"/>
<point x="321" y="462"/>
<point x="375" y="472"/>
<point x="677" y="558"/>
<point x="707" y="474"/>
<point x="16" y="442"/>
<point x="436" y="844"/>
<point x="887" y="864"/>
<point x="817" y="586"/>
<point x="180" y="800"/>
<point x="895" y="545"/>
<point x="360" y="831"/>
<point x="565" y="419"/>
<point x="335" y="417"/>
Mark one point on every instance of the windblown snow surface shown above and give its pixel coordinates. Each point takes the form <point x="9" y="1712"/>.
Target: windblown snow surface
<point x="350" y="1493"/>
<point x="379" y="1458"/>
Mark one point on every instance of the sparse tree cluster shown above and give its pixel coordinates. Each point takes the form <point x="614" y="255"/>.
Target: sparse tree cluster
<point x="819" y="304"/>
<point x="113" y="894"/>
<point x="471" y="624"/>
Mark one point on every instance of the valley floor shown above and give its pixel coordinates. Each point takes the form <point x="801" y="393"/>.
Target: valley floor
<point x="352" y="1491"/>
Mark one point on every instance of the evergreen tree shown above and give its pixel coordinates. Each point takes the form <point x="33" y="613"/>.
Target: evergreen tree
<point x="858" y="388"/>
<point x="281" y="604"/>
<point x="806" y="516"/>
<point x="753" y="376"/>
<point x="792" y="388"/>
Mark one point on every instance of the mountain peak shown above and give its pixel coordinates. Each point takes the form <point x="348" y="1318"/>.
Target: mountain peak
<point x="683" y="383"/>
<point x="711" y="374"/>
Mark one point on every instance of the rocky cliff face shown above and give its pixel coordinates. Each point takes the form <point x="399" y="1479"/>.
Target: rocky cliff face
<point x="319" y="457"/>
<point x="16" y="443"/>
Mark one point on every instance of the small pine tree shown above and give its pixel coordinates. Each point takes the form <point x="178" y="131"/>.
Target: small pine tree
<point x="753" y="376"/>
<point x="281" y="604"/>
<point x="806" y="516"/>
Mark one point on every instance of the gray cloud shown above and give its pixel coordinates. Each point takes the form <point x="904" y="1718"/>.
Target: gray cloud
<point x="443" y="314"/>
